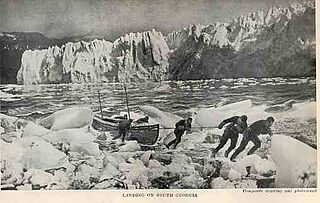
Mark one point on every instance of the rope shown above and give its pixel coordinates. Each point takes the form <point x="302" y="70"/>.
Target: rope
<point x="191" y="128"/>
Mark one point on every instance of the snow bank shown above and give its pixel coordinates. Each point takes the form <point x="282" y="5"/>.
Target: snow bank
<point x="296" y="162"/>
<point x="75" y="117"/>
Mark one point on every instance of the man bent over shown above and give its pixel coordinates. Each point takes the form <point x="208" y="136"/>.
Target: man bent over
<point x="251" y="134"/>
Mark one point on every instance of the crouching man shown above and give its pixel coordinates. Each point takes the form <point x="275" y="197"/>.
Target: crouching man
<point x="251" y="134"/>
<point x="181" y="127"/>
<point x="237" y="124"/>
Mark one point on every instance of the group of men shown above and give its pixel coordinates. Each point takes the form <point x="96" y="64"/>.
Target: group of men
<point x="235" y="125"/>
<point x="238" y="124"/>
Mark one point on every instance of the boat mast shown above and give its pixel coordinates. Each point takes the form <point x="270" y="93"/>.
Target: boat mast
<point x="100" y="104"/>
<point x="125" y="89"/>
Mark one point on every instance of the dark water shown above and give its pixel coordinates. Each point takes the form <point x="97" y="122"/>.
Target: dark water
<point x="178" y="98"/>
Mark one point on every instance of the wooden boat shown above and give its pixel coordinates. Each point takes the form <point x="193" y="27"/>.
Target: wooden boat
<point x="146" y="134"/>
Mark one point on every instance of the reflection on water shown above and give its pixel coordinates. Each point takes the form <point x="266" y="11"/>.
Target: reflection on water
<point x="175" y="96"/>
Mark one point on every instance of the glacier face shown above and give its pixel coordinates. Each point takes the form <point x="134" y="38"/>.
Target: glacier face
<point x="12" y="46"/>
<point x="133" y="57"/>
<point x="280" y="42"/>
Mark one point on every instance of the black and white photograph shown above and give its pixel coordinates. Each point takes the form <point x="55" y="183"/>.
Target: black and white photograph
<point x="158" y="94"/>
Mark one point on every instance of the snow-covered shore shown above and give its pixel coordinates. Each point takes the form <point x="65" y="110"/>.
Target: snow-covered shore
<point x="72" y="155"/>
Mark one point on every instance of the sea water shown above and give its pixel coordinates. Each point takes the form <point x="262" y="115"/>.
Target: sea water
<point x="178" y="97"/>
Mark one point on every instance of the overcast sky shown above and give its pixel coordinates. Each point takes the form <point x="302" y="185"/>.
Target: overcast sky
<point x="112" y="18"/>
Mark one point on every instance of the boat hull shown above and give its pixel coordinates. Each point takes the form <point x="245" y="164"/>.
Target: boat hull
<point x="143" y="134"/>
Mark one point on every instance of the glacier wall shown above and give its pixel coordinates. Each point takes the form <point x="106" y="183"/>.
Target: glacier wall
<point x="133" y="57"/>
<point x="280" y="42"/>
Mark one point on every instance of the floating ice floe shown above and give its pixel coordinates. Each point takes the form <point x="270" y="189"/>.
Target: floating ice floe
<point x="239" y="86"/>
<point x="281" y="108"/>
<point x="302" y="111"/>
<point x="164" y="87"/>
<point x="75" y="117"/>
<point x="211" y="117"/>
<point x="9" y="97"/>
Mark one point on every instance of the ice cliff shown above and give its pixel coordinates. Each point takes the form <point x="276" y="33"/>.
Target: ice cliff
<point x="133" y="57"/>
<point x="280" y="42"/>
<point x="12" y="46"/>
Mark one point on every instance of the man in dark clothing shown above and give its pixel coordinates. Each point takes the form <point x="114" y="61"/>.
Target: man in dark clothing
<point x="237" y="125"/>
<point x="181" y="127"/>
<point x="123" y="128"/>
<point x="251" y="134"/>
